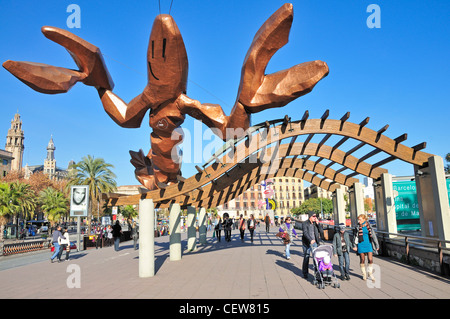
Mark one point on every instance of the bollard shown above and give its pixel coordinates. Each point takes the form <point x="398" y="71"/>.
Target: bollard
<point x="175" y="232"/>
<point x="192" y="233"/>
<point x="146" y="238"/>
<point x="202" y="226"/>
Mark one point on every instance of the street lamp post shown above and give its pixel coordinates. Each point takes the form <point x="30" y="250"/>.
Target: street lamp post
<point x="321" y="208"/>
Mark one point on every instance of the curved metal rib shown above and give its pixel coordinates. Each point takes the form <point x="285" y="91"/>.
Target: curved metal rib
<point x="260" y="136"/>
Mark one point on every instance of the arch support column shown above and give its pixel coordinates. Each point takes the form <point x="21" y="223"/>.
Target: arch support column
<point x="192" y="232"/>
<point x="433" y="199"/>
<point x="356" y="197"/>
<point x="175" y="232"/>
<point x="385" y="205"/>
<point x="202" y="229"/>
<point x="339" y="206"/>
<point x="146" y="238"/>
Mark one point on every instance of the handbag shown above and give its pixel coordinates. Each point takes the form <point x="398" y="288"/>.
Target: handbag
<point x="284" y="236"/>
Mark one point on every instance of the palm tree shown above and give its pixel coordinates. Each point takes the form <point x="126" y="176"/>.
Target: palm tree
<point x="24" y="200"/>
<point x="17" y="200"/>
<point x="129" y="212"/>
<point x="96" y="173"/>
<point x="54" y="204"/>
<point x="5" y="205"/>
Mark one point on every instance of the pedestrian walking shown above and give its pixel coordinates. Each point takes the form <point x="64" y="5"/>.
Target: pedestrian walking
<point x="267" y="221"/>
<point x="135" y="234"/>
<point x="218" y="227"/>
<point x="99" y="237"/>
<point x="227" y="224"/>
<point x="109" y="236"/>
<point x="366" y="243"/>
<point x="210" y="224"/>
<point x="341" y="248"/>
<point x="310" y="240"/>
<point x="242" y="227"/>
<point x="288" y="228"/>
<point x="251" y="224"/>
<point x="57" y="235"/>
<point x="116" y="232"/>
<point x="65" y="244"/>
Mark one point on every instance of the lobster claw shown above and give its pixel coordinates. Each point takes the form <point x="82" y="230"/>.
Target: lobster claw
<point x="44" y="78"/>
<point x="49" y="79"/>
<point x="259" y="91"/>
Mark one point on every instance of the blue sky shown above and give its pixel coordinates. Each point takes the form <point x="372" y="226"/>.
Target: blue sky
<point x="396" y="74"/>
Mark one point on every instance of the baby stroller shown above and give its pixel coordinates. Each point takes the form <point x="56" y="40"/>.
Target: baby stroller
<point x="322" y="277"/>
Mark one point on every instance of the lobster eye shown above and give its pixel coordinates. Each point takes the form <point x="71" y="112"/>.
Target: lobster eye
<point x="153" y="49"/>
<point x="164" y="48"/>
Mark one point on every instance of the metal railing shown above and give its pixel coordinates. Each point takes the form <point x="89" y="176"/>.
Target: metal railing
<point x="408" y="241"/>
<point x="418" y="242"/>
<point x="24" y="246"/>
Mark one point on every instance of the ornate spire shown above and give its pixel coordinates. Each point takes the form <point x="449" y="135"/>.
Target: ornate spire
<point x="51" y="149"/>
<point x="15" y="142"/>
<point x="51" y="145"/>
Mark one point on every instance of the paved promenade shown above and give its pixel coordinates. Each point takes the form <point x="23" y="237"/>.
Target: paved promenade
<point x="222" y="270"/>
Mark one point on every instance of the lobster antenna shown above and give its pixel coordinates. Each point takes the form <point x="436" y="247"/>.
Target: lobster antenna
<point x="170" y="9"/>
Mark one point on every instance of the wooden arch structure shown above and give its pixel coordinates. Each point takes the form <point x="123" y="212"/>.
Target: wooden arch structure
<point x="260" y="154"/>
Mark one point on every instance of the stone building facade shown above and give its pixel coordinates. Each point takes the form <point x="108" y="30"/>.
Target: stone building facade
<point x="12" y="157"/>
<point x="279" y="194"/>
<point x="5" y="162"/>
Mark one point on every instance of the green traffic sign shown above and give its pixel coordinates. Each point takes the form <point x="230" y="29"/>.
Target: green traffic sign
<point x="407" y="205"/>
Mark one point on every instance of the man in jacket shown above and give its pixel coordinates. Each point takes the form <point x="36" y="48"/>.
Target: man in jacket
<point x="310" y="240"/>
<point x="116" y="232"/>
<point x="341" y="248"/>
<point x="267" y="221"/>
<point x="227" y="224"/>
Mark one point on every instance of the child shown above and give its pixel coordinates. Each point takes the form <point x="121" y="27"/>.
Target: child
<point x="341" y="249"/>
<point x="325" y="264"/>
<point x="326" y="267"/>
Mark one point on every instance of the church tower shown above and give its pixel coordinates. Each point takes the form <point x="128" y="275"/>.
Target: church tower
<point x="14" y="142"/>
<point x="50" y="162"/>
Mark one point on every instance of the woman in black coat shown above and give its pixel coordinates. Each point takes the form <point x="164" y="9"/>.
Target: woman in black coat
<point x="116" y="232"/>
<point x="227" y="224"/>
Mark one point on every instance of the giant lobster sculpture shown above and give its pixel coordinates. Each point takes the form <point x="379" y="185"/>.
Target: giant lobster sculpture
<point x="165" y="93"/>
